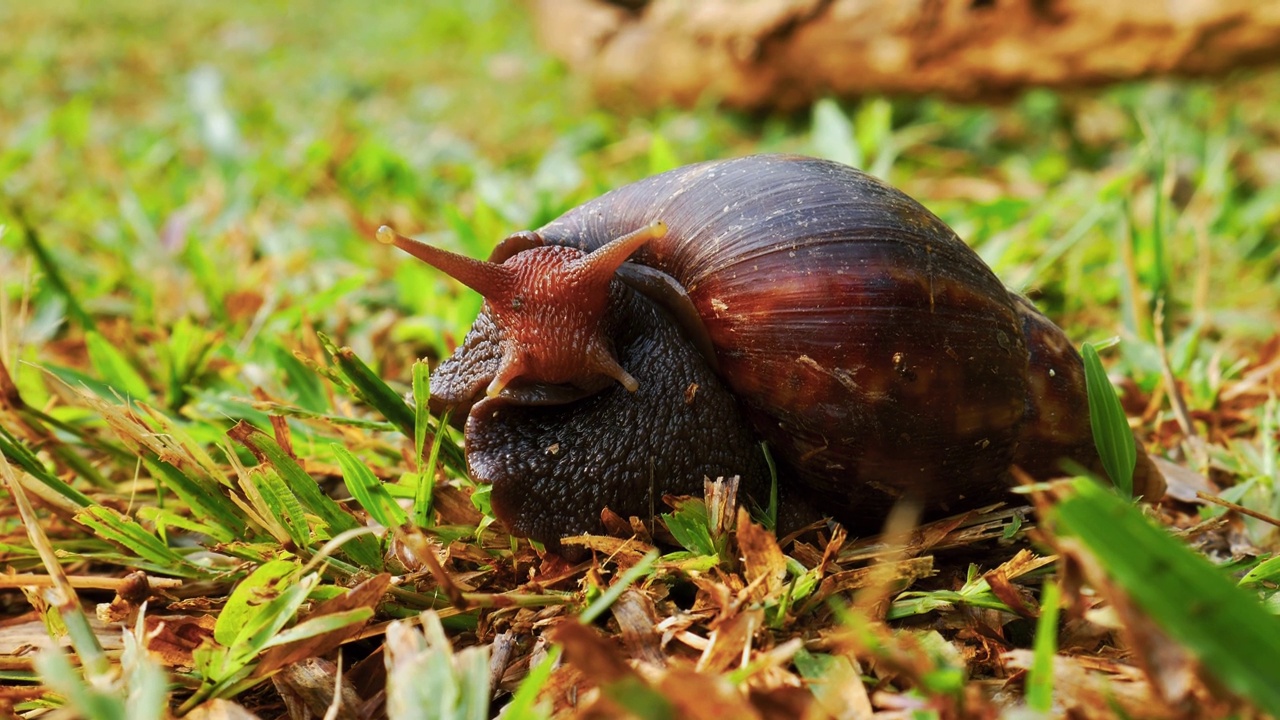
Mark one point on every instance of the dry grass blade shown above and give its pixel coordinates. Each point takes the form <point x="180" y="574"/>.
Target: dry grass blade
<point x="64" y="599"/>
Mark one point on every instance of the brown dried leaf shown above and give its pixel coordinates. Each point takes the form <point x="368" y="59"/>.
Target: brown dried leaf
<point x="1184" y="484"/>
<point x="501" y="654"/>
<point x="786" y="703"/>
<point x="1018" y="599"/>
<point x="730" y="641"/>
<point x="898" y="574"/>
<point x="307" y="690"/>
<point x="637" y="616"/>
<point x="806" y="554"/>
<point x="764" y="564"/>
<point x="555" y="570"/>
<point x="453" y="505"/>
<point x="947" y="532"/>
<point x="614" y="524"/>
<point x="1086" y="691"/>
<point x="704" y="697"/>
<point x="598" y="659"/>
<point x="641" y="531"/>
<point x="722" y="502"/>
<point x="626" y="552"/>
<point x="220" y="709"/>
<point x="564" y="691"/>
<point x="832" y="550"/>
<point x="171" y="639"/>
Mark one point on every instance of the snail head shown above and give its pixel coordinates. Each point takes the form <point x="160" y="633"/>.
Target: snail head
<point x="547" y="301"/>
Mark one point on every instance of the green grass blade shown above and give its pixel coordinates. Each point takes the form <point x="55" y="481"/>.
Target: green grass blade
<point x="363" y="549"/>
<point x="382" y="398"/>
<point x="619" y="586"/>
<point x="114" y="368"/>
<point x="71" y="457"/>
<point x="282" y="505"/>
<point x="421" y="413"/>
<point x="293" y="411"/>
<point x="1267" y="571"/>
<point x="205" y="499"/>
<point x="424" y="499"/>
<point x="1040" y="675"/>
<point x="52" y="271"/>
<point x="370" y="387"/>
<point x="421" y="422"/>
<point x="1234" y="637"/>
<point x="307" y="389"/>
<point x="1111" y="431"/>
<point x="122" y="530"/>
<point x="771" y="512"/>
<point x="368" y="490"/>
<point x="832" y="136"/>
<point x="524" y="703"/>
<point x="327" y="623"/>
<point x="246" y="601"/>
<point x="18" y="453"/>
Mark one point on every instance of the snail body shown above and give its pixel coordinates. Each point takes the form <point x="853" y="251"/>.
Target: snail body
<point x="778" y="298"/>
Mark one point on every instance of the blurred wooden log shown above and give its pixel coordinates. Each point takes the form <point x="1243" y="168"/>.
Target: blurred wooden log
<point x="785" y="53"/>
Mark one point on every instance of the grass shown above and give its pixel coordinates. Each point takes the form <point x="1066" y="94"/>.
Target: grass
<point x="204" y="355"/>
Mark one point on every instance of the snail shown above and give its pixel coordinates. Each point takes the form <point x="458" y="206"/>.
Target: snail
<point x="658" y="334"/>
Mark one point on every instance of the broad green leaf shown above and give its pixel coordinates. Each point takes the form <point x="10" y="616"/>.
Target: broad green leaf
<point x="689" y="525"/>
<point x="261" y="627"/>
<point x="1111" y="431"/>
<point x="1235" y="639"/>
<point x="249" y="598"/>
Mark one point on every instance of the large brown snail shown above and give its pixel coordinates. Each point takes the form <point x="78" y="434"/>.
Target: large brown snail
<point x="655" y="335"/>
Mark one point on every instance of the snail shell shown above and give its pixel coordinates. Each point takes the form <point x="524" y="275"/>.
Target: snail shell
<point x="826" y="313"/>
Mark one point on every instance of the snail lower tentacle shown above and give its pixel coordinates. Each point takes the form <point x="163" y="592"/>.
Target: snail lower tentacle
<point x="555" y="466"/>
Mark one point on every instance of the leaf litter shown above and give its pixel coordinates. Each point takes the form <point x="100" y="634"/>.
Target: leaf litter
<point x="932" y="618"/>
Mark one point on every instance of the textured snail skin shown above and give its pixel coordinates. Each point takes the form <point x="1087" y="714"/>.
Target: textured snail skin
<point x="852" y="330"/>
<point x="555" y="466"/>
